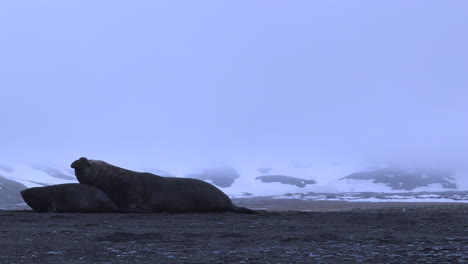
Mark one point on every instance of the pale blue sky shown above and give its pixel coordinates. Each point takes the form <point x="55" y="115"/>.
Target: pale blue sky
<point x="188" y="80"/>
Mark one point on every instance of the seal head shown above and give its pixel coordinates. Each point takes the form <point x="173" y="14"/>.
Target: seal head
<point x="36" y="200"/>
<point x="82" y="166"/>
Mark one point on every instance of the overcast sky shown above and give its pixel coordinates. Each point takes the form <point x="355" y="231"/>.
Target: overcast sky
<point x="184" y="81"/>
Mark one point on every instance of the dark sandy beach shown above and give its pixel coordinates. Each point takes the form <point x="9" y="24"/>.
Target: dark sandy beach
<point x="374" y="233"/>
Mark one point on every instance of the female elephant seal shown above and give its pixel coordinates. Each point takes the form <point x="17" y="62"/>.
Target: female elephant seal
<point x="68" y="198"/>
<point x="146" y="192"/>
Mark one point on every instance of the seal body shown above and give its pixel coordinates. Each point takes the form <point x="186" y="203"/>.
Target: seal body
<point x="68" y="198"/>
<point x="146" y="192"/>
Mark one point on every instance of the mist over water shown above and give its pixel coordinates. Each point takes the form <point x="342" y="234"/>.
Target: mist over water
<point x="191" y="85"/>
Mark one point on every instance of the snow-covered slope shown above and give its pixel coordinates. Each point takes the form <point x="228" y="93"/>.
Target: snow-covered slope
<point x="10" y="192"/>
<point x="37" y="174"/>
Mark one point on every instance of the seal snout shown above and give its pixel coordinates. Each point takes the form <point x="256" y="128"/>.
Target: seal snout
<point x="81" y="163"/>
<point x="24" y="194"/>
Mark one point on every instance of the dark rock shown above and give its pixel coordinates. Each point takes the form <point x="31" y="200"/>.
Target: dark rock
<point x="285" y="180"/>
<point x="221" y="176"/>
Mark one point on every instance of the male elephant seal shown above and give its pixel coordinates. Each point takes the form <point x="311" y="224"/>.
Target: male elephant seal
<point x="68" y="198"/>
<point x="146" y="192"/>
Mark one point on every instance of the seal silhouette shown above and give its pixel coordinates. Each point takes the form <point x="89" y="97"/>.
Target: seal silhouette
<point x="68" y="198"/>
<point x="146" y="192"/>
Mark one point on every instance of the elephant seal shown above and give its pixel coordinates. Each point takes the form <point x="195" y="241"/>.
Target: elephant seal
<point x="68" y="198"/>
<point x="146" y="192"/>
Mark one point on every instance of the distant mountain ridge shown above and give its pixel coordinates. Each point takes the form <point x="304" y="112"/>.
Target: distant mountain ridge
<point x="10" y="192"/>
<point x="240" y="181"/>
<point x="406" y="179"/>
<point x="37" y="174"/>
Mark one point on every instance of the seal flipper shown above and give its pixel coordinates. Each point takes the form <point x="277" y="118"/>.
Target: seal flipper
<point x="243" y="210"/>
<point x="51" y="207"/>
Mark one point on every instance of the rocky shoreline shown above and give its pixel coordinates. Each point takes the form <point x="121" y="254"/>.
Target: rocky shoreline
<point x="433" y="233"/>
